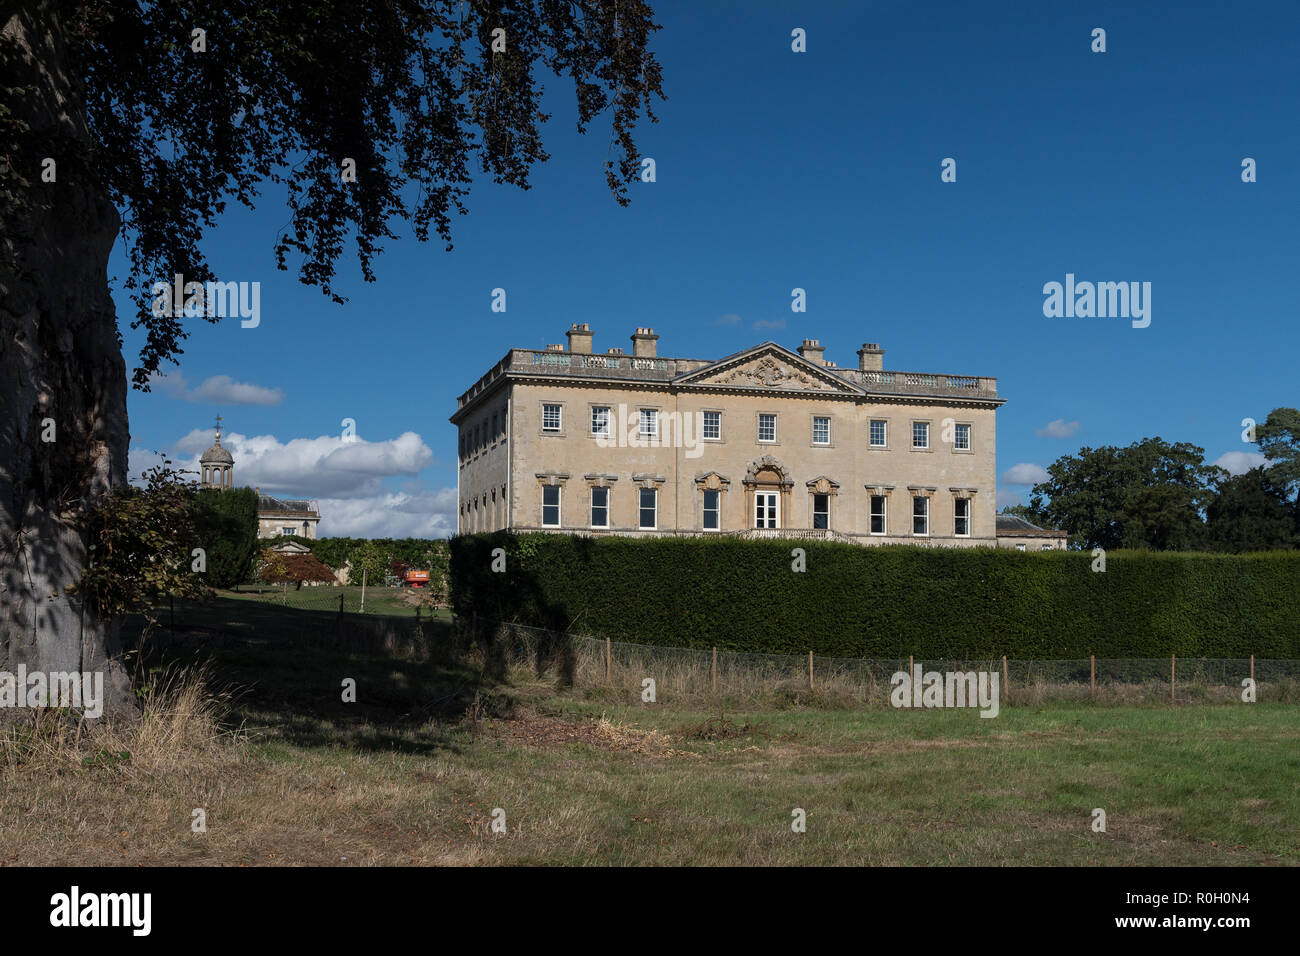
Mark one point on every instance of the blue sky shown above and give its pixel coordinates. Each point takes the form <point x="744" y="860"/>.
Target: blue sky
<point x="818" y="170"/>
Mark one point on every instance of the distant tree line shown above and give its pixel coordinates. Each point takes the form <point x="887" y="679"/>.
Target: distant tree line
<point x="1164" y="497"/>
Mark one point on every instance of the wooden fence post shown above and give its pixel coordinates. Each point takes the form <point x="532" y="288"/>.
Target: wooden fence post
<point x="810" y="671"/>
<point x="1006" y="681"/>
<point x="1171" y="677"/>
<point x="1252" y="669"/>
<point x="715" y="670"/>
<point x="607" y="674"/>
<point x="1092" y="680"/>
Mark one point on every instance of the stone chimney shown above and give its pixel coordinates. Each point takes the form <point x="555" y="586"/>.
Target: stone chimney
<point x="812" y="350"/>
<point x="643" y="343"/>
<point x="580" y="336"/>
<point x="871" y="357"/>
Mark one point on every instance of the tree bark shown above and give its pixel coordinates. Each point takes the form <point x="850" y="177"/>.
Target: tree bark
<point x="60" y="366"/>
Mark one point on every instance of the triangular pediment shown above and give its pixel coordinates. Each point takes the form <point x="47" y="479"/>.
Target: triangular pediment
<point x="768" y="367"/>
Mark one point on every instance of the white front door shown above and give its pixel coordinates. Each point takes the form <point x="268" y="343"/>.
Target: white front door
<point x="766" y="510"/>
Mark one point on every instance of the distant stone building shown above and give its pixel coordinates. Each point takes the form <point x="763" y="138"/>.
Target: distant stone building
<point x="275" y="516"/>
<point x="1015" y="532"/>
<point x="767" y="442"/>
<point x="285" y="516"/>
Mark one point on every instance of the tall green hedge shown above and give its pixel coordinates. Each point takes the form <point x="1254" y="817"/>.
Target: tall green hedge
<point x="226" y="521"/>
<point x="855" y="601"/>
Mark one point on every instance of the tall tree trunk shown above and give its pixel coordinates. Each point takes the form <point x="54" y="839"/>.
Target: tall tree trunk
<point x="62" y="377"/>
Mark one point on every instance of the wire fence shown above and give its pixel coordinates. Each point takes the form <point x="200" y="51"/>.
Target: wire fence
<point x="697" y="674"/>
<point x="403" y="620"/>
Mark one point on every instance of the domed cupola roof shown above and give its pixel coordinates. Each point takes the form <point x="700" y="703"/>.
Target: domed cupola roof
<point x="216" y="455"/>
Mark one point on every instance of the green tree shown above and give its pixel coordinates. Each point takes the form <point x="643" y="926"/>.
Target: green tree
<point x="1251" y="512"/>
<point x="156" y="115"/>
<point x="1279" y="440"/>
<point x="226" y="524"/>
<point x="370" y="558"/>
<point x="142" y="542"/>
<point x="1150" y="494"/>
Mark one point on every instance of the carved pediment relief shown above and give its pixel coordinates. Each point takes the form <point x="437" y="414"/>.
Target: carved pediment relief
<point x="769" y="372"/>
<point x="769" y="368"/>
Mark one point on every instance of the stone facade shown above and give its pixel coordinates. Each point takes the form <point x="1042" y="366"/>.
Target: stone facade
<point x="765" y="442"/>
<point x="277" y="517"/>
<point x="1016" y="532"/>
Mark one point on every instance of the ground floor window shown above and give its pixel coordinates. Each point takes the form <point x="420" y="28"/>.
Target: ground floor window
<point x="550" y="506"/>
<point x="877" y="514"/>
<point x="649" y="508"/>
<point x="821" y="511"/>
<point x="920" y="515"/>
<point x="712" y="510"/>
<point x="961" y="517"/>
<point x="600" y="507"/>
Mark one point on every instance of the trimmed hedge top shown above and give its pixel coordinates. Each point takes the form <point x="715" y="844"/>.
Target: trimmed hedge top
<point x="888" y="601"/>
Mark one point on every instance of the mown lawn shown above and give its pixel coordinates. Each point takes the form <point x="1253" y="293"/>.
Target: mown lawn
<point x="410" y="775"/>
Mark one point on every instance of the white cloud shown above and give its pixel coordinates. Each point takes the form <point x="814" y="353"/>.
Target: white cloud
<point x="324" y="467"/>
<point x="729" y="319"/>
<point x="1240" y="462"/>
<point x="428" y="514"/>
<point x="1025" y="474"/>
<point x="217" y="390"/>
<point x="769" y="324"/>
<point x="1059" y="428"/>
<point x="1008" y="497"/>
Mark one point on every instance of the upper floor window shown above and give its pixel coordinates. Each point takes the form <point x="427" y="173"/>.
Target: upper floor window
<point x="649" y="423"/>
<point x="961" y="438"/>
<point x="877" y="433"/>
<point x="961" y="517"/>
<point x="920" y="434"/>
<point x="550" y="418"/>
<point x="600" y="420"/>
<point x="821" y="430"/>
<point x="766" y="427"/>
<point x="712" y="430"/>
<point x="550" y="506"/>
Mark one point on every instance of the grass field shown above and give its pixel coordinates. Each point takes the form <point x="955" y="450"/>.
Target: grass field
<point x="411" y="772"/>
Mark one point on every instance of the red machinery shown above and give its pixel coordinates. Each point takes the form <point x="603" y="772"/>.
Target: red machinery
<point x="417" y="579"/>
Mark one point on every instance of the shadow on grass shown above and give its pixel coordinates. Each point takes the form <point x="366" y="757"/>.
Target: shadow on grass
<point x="288" y="668"/>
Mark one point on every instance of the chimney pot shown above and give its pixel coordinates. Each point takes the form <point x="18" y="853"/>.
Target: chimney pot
<point x="871" y="357"/>
<point x="644" y="343"/>
<point x="580" y="338"/>
<point x="812" y="351"/>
